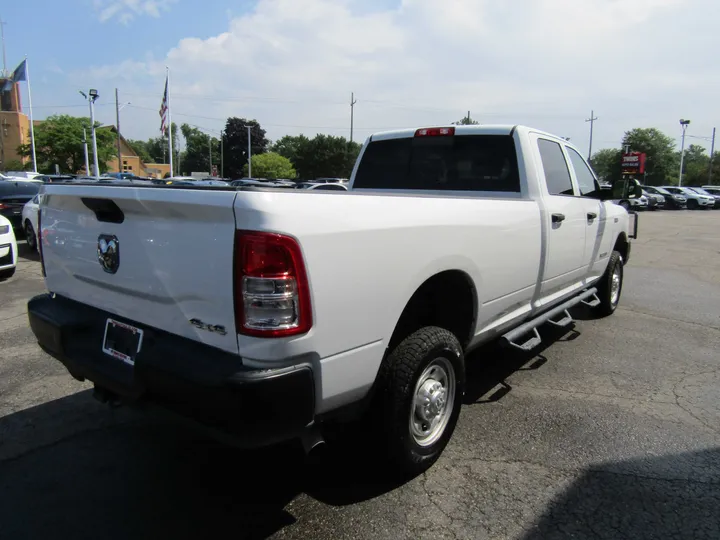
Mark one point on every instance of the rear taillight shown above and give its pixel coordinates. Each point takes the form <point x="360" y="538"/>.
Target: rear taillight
<point x="3" y="206"/>
<point x="40" y="241"/>
<point x="272" y="295"/>
<point x="435" y="132"/>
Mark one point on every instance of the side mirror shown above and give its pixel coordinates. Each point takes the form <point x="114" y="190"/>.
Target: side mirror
<point x="627" y="188"/>
<point x="632" y="189"/>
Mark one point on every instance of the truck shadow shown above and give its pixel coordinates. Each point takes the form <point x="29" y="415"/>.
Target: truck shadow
<point x="671" y="496"/>
<point x="140" y="478"/>
<point x="489" y="366"/>
<point x="26" y="253"/>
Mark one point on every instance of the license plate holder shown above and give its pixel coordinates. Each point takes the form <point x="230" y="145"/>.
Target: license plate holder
<point x="122" y="341"/>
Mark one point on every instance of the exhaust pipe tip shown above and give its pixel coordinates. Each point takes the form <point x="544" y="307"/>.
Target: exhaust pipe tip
<point x="312" y="441"/>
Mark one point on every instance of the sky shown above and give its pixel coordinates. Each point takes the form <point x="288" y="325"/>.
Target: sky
<point x="293" y="64"/>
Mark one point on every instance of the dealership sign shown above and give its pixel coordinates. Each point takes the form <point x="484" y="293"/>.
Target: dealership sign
<point x="633" y="163"/>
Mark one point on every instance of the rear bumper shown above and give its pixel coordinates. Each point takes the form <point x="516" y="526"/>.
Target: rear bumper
<point x="208" y="386"/>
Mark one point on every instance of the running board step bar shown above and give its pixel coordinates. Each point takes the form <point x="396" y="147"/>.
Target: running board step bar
<point x="513" y="336"/>
<point x="592" y="302"/>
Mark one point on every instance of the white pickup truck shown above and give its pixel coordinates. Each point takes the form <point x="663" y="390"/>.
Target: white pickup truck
<point x="265" y="313"/>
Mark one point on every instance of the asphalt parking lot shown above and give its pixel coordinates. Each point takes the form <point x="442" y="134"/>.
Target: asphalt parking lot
<point x="611" y="431"/>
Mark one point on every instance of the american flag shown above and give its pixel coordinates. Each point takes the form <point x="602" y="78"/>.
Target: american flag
<point x="163" y="110"/>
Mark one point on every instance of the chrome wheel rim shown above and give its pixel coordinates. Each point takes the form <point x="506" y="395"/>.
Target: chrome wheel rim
<point x="433" y="401"/>
<point x="615" y="283"/>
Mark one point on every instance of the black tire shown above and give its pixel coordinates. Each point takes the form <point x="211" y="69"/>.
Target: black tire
<point x="625" y="205"/>
<point x="608" y="304"/>
<point x="692" y="204"/>
<point x="429" y="346"/>
<point x="30" y="236"/>
<point x="7" y="274"/>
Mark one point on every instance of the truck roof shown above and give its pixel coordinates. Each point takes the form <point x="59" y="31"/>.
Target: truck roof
<point x="483" y="129"/>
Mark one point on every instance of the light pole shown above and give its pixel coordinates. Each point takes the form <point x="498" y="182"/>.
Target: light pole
<point x="249" y="152"/>
<point x="684" y="124"/>
<point x="87" y="163"/>
<point x="91" y="96"/>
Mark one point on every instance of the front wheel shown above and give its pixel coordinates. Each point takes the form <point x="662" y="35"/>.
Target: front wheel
<point x="421" y="398"/>
<point x="610" y="285"/>
<point x="692" y="204"/>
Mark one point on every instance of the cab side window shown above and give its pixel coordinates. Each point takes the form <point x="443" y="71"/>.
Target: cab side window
<point x="557" y="174"/>
<point x="587" y="183"/>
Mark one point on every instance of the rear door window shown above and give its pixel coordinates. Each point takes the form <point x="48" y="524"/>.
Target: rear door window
<point x="451" y="163"/>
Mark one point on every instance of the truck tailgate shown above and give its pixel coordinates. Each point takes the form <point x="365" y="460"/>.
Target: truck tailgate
<point x="174" y="261"/>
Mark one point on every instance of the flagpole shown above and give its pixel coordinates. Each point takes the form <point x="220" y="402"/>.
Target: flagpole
<point x="170" y="138"/>
<point x="32" y="127"/>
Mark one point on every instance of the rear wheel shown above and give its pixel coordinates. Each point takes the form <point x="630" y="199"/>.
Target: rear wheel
<point x="30" y="236"/>
<point x="610" y="285"/>
<point x="420" y="398"/>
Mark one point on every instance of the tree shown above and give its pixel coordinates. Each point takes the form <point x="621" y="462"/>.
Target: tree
<point x="141" y="149"/>
<point x="270" y="165"/>
<point x="662" y="164"/>
<point x="196" y="157"/>
<point x="17" y="165"/>
<point x="607" y="164"/>
<point x="695" y="166"/>
<point x="236" y="143"/>
<point x="467" y="121"/>
<point x="323" y="155"/>
<point x="59" y="140"/>
<point x="155" y="149"/>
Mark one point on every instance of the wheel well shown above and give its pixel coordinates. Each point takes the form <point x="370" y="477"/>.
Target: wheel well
<point x="447" y="300"/>
<point x="621" y="246"/>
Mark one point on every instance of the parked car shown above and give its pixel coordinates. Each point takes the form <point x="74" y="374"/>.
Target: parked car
<point x="13" y="196"/>
<point x="8" y="249"/>
<point x="702" y="191"/>
<point x="23" y="174"/>
<point x="639" y="203"/>
<point x="55" y="178"/>
<point x="30" y="221"/>
<point x="655" y="200"/>
<point x="672" y="200"/>
<point x="694" y="200"/>
<point x="277" y="345"/>
<point x="322" y="186"/>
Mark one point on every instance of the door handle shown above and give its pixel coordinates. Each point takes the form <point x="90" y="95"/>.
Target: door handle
<point x="591" y="216"/>
<point x="557" y="218"/>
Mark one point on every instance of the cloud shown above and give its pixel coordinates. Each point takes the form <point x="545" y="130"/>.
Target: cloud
<point x="292" y="64"/>
<point x="126" y="10"/>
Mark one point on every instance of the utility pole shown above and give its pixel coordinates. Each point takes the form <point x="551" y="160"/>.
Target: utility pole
<point x="210" y="152"/>
<point x="222" y="154"/>
<point x="117" y="119"/>
<point x="683" y="124"/>
<point x="2" y="34"/>
<point x="353" y="101"/>
<point x="592" y="125"/>
<point x="87" y="161"/>
<point x="712" y="151"/>
<point x="249" y="152"/>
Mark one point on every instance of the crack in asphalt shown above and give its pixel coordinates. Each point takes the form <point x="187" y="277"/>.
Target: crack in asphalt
<point x="671" y="319"/>
<point x="713" y="428"/>
<point x="590" y="469"/>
